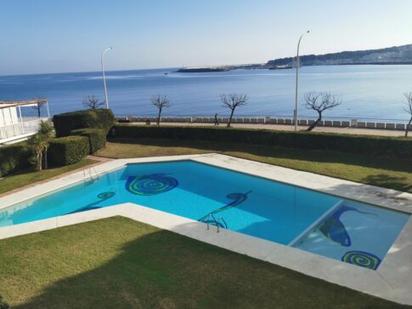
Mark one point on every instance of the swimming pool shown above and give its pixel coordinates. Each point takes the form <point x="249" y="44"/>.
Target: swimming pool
<point x="324" y="224"/>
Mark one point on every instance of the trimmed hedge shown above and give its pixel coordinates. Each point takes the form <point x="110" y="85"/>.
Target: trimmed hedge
<point x="14" y="158"/>
<point x="3" y="304"/>
<point x="68" y="150"/>
<point x="65" y="123"/>
<point x="394" y="147"/>
<point x="96" y="137"/>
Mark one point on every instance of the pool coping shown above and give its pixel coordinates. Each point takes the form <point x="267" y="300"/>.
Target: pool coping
<point x="392" y="280"/>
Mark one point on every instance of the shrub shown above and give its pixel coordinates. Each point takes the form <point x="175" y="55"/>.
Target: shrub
<point x="384" y="146"/>
<point x="14" y="158"/>
<point x="3" y="304"/>
<point x="97" y="138"/>
<point x="93" y="118"/>
<point x="68" y="150"/>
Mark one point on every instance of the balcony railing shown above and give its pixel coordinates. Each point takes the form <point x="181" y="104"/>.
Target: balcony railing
<point x="19" y="130"/>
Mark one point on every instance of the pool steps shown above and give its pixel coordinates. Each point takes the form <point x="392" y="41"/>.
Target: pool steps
<point x="311" y="227"/>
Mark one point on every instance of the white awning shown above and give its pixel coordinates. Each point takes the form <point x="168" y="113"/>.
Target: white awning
<point x="7" y="104"/>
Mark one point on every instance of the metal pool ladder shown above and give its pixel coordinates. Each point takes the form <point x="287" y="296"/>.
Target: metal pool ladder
<point x="90" y="174"/>
<point x="212" y="219"/>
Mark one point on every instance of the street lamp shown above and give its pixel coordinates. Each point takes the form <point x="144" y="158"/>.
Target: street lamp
<point x="295" y="112"/>
<point x="106" y="99"/>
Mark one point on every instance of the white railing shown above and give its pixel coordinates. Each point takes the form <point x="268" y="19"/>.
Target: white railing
<point x="21" y="129"/>
<point x="365" y="123"/>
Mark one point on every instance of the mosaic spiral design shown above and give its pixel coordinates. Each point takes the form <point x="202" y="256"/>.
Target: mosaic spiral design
<point x="363" y="259"/>
<point x="105" y="195"/>
<point x="151" y="184"/>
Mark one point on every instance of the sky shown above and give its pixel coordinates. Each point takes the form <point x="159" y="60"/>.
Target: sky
<point x="50" y="36"/>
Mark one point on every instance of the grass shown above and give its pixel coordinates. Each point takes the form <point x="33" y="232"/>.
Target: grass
<point x="383" y="172"/>
<point x="119" y="263"/>
<point x="19" y="180"/>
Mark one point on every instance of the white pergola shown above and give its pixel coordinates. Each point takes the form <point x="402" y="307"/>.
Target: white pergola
<point x="13" y="125"/>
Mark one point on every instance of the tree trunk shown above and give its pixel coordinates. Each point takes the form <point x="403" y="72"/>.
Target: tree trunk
<point x="39" y="161"/>
<point x="408" y="127"/>
<point x="158" y="116"/>
<point x="230" y="118"/>
<point x="313" y="125"/>
<point x="46" y="165"/>
<point x="38" y="111"/>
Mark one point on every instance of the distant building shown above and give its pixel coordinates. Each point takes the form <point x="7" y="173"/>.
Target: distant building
<point x="14" y="126"/>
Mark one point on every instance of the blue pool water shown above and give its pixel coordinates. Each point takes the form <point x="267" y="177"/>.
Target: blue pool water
<point x="316" y="222"/>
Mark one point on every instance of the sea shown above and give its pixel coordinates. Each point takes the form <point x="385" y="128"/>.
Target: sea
<point x="366" y="91"/>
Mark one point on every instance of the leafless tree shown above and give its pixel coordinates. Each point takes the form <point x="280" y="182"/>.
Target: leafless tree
<point x="40" y="102"/>
<point x="408" y="109"/>
<point x="319" y="102"/>
<point x="160" y="102"/>
<point x="92" y="102"/>
<point x="232" y="101"/>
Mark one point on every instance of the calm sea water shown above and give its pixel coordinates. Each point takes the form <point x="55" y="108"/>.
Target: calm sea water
<point x="369" y="91"/>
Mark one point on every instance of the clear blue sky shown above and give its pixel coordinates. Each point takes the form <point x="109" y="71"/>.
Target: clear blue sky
<point x="39" y="36"/>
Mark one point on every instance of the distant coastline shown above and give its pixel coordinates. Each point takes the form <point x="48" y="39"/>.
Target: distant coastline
<point x="203" y="70"/>
<point x="397" y="55"/>
<point x="223" y="68"/>
<point x="344" y="64"/>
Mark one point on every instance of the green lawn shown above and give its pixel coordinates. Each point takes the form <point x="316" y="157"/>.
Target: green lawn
<point x="16" y="181"/>
<point x="119" y="263"/>
<point x="384" y="172"/>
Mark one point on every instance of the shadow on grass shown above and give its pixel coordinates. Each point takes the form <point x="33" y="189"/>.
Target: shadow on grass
<point x="164" y="270"/>
<point x="322" y="156"/>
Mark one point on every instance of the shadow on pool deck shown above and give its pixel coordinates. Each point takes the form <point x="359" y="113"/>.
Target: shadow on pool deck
<point x="364" y="194"/>
<point x="160" y="269"/>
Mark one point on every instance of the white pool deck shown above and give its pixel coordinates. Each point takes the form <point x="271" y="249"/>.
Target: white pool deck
<point x="392" y="280"/>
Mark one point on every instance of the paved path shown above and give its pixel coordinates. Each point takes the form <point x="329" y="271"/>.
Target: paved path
<point x="356" y="131"/>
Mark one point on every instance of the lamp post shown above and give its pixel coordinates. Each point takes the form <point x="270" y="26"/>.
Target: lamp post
<point x="106" y="98"/>
<point x="295" y="112"/>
